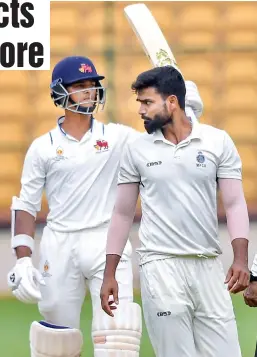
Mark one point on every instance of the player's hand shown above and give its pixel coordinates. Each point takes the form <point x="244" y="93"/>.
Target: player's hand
<point x="193" y="99"/>
<point x="109" y="289"/>
<point x="250" y="294"/>
<point x="24" y="280"/>
<point x="238" y="277"/>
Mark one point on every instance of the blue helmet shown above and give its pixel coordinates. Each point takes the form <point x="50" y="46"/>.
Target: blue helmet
<point x="71" y="70"/>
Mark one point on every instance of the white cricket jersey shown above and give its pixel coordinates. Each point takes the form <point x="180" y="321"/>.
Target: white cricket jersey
<point x="178" y="186"/>
<point x="79" y="177"/>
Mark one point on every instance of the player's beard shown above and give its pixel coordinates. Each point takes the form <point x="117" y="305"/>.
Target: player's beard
<point x="157" y="122"/>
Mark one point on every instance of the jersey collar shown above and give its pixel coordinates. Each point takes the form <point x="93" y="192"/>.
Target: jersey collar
<point x="61" y="119"/>
<point x="195" y="133"/>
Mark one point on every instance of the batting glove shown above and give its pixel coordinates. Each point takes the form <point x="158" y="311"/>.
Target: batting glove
<point x="24" y="280"/>
<point x="193" y="99"/>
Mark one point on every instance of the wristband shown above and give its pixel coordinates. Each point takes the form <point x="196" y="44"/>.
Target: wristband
<point x="22" y="240"/>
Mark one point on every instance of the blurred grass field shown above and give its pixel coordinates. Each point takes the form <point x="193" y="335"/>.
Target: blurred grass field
<point x="16" y="317"/>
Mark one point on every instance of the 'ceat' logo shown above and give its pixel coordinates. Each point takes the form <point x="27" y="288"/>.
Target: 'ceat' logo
<point x="85" y="68"/>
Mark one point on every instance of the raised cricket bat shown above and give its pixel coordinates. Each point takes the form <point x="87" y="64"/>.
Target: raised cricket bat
<point x="152" y="39"/>
<point x="150" y="35"/>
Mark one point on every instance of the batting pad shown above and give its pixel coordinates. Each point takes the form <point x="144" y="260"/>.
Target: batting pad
<point x="48" y="340"/>
<point x="118" y="336"/>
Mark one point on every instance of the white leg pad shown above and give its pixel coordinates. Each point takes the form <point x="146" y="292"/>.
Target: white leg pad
<point x="54" y="341"/>
<point x="118" y="336"/>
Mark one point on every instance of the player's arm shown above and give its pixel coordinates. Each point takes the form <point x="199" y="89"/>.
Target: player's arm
<point x="24" y="226"/>
<point x="230" y="184"/>
<point x="24" y="279"/>
<point x="25" y="207"/>
<point x="120" y="225"/>
<point x="238" y="228"/>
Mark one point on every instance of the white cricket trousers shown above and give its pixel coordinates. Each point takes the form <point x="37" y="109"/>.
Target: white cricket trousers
<point x="71" y="263"/>
<point x="187" y="308"/>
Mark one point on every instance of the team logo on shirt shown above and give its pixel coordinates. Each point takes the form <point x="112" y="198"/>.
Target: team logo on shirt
<point x="46" y="268"/>
<point x="200" y="158"/>
<point x="101" y="145"/>
<point x="59" y="151"/>
<point x="59" y="154"/>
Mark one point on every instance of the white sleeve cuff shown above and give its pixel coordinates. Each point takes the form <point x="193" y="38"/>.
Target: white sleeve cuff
<point x="22" y="240"/>
<point x="19" y="205"/>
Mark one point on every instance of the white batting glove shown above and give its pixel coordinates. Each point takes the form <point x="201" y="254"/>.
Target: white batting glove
<point x="193" y="99"/>
<point x="24" y="280"/>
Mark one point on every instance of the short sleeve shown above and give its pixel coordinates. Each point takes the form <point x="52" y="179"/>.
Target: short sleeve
<point x="230" y="165"/>
<point x="128" y="170"/>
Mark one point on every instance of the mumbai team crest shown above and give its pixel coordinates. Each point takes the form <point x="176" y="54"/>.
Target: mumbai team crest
<point x="101" y="146"/>
<point x="59" y="154"/>
<point x="85" y="68"/>
<point x="59" y="151"/>
<point x="46" y="268"/>
<point x="200" y="158"/>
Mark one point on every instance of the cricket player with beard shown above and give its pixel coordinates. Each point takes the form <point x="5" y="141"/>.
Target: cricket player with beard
<point x="77" y="165"/>
<point x="177" y="166"/>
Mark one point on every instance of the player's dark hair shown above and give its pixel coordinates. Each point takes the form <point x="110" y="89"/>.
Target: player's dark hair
<point x="166" y="80"/>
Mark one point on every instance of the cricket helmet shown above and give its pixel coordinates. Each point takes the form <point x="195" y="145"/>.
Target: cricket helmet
<point x="72" y="70"/>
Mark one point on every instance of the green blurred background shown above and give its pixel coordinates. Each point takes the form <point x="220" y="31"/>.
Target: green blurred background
<point x="16" y="318"/>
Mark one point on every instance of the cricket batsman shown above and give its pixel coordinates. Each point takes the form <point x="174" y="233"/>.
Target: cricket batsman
<point x="77" y="164"/>
<point x="177" y="167"/>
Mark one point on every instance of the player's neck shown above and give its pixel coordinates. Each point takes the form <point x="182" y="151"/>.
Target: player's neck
<point x="178" y="130"/>
<point x="76" y="124"/>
